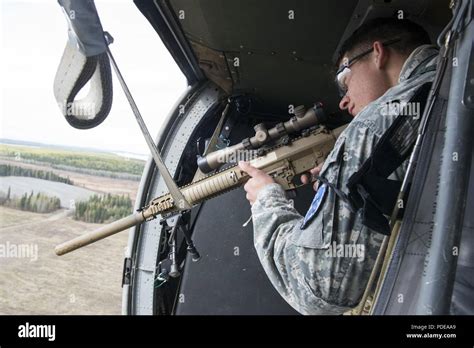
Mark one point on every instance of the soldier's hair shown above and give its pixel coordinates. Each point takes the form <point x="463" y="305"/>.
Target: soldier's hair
<point x="411" y="36"/>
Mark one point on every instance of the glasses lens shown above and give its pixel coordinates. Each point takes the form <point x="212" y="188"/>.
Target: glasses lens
<point x="341" y="79"/>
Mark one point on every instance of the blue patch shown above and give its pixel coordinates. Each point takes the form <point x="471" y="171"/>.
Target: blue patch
<point x="315" y="204"/>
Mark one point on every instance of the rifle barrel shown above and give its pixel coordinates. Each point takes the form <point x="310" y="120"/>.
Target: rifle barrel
<point x="100" y="233"/>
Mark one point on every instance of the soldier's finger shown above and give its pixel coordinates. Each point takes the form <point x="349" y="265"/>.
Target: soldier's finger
<point x="246" y="167"/>
<point x="304" y="179"/>
<point x="247" y="186"/>
<point x="250" y="185"/>
<point x="315" y="170"/>
<point x="316" y="185"/>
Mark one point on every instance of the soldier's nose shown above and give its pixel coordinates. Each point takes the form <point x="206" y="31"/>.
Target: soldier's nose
<point x="344" y="103"/>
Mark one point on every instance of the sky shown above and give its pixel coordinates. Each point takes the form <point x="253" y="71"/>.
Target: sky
<point x="32" y="40"/>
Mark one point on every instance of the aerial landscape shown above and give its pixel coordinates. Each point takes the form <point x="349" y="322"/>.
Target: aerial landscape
<point x="48" y="195"/>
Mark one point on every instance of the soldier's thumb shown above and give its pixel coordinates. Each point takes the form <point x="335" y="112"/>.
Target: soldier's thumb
<point x="246" y="167"/>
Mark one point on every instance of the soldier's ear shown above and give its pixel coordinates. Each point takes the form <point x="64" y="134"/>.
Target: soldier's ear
<point x="380" y="56"/>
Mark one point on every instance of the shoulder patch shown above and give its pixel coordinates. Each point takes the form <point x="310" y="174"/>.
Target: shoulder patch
<point x="315" y="204"/>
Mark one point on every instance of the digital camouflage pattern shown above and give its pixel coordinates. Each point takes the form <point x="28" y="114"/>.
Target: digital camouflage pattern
<point x="301" y="263"/>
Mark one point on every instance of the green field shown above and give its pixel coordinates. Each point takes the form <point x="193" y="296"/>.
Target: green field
<point x="91" y="161"/>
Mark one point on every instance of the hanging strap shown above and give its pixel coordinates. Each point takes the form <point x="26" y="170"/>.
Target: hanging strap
<point x="74" y="72"/>
<point x="84" y="60"/>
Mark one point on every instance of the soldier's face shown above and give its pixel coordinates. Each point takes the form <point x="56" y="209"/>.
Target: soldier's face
<point x="366" y="81"/>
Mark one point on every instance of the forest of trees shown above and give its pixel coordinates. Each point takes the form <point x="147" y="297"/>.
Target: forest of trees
<point x="8" y="170"/>
<point x="104" y="162"/>
<point x="103" y="208"/>
<point x="39" y="203"/>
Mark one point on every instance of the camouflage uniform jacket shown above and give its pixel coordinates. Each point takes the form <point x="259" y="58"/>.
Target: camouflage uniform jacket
<point x="324" y="268"/>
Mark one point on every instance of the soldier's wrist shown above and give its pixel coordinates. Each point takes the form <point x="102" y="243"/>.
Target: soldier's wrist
<point x="269" y="190"/>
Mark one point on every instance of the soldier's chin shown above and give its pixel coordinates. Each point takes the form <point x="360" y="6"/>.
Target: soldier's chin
<point x="356" y="110"/>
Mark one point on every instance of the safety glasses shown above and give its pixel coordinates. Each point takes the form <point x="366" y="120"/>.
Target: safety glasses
<point x="344" y="71"/>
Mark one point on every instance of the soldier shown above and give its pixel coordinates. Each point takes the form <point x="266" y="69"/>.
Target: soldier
<point x="383" y="62"/>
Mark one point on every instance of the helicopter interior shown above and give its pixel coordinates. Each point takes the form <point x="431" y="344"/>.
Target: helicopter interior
<point x="260" y="59"/>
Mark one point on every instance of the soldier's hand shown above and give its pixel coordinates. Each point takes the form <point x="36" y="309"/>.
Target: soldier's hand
<point x="258" y="180"/>
<point x="314" y="172"/>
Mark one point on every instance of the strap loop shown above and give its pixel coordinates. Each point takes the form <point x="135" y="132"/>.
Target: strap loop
<point x="74" y="72"/>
